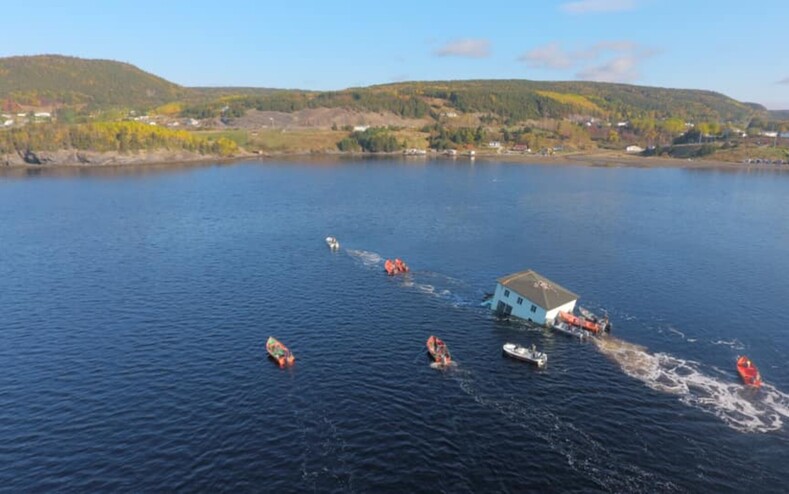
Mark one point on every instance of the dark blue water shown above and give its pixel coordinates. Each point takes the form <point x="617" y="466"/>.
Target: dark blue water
<point x="136" y="302"/>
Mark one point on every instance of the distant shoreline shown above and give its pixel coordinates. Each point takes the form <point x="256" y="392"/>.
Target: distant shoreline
<point x="73" y="159"/>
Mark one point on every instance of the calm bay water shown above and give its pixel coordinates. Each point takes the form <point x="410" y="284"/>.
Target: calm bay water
<point x="135" y="304"/>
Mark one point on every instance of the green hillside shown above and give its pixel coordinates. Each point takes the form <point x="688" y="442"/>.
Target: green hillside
<point x="779" y="114"/>
<point x="54" y="79"/>
<point x="507" y="101"/>
<point x="102" y="84"/>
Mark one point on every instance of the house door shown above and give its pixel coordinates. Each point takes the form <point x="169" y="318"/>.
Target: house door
<point x="503" y="308"/>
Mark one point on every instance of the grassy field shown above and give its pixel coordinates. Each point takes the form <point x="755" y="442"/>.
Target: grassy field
<point x="741" y="153"/>
<point x="294" y="141"/>
<point x="240" y="137"/>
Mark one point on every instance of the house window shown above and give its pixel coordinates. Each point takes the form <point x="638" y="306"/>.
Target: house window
<point x="534" y="308"/>
<point x="506" y="293"/>
<point x="520" y="300"/>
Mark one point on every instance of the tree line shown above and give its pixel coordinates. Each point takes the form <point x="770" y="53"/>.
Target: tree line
<point x="292" y="101"/>
<point x="109" y="136"/>
<point x="373" y="140"/>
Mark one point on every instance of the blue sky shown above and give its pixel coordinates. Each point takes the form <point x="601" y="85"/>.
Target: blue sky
<point x="738" y="48"/>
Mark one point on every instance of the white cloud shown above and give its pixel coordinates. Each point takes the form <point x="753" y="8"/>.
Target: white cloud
<point x="611" y="61"/>
<point x="587" y="6"/>
<point x="469" y="48"/>
<point x="550" y="56"/>
<point x="785" y="80"/>
<point x="619" y="69"/>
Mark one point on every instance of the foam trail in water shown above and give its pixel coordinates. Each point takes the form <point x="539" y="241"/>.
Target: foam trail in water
<point x="734" y="344"/>
<point x="369" y="259"/>
<point x="450" y="366"/>
<point x="430" y="283"/>
<point x="440" y="286"/>
<point x="742" y="408"/>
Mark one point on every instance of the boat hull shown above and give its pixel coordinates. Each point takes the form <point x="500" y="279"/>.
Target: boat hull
<point x="279" y="352"/>
<point x="438" y="351"/>
<point x="566" y="329"/>
<point x="332" y="243"/>
<point x="523" y="354"/>
<point x="748" y="372"/>
<point x="580" y="322"/>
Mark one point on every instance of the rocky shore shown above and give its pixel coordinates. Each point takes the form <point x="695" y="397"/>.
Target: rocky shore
<point x="93" y="158"/>
<point x="74" y="158"/>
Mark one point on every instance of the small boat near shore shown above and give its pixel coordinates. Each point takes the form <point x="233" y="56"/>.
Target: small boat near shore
<point x="279" y="352"/>
<point x="748" y="372"/>
<point x="438" y="351"/>
<point x="395" y="267"/>
<point x="531" y="355"/>
<point x="575" y="332"/>
<point x="332" y="243"/>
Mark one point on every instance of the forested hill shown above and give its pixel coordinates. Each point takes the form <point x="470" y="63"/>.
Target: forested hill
<point x="505" y="101"/>
<point x="88" y="85"/>
<point x="54" y="80"/>
<point x="527" y="99"/>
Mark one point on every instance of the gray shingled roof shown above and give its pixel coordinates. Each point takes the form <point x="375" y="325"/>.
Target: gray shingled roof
<point x="538" y="289"/>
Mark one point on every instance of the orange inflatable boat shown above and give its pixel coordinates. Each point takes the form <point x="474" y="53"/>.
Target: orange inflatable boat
<point x="580" y="322"/>
<point x="395" y="267"/>
<point x="748" y="372"/>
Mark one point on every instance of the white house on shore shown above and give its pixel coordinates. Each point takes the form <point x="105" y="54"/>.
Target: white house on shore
<point x="532" y="297"/>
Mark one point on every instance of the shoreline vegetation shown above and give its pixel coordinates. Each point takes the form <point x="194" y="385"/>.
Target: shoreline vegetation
<point x="179" y="158"/>
<point x="121" y="143"/>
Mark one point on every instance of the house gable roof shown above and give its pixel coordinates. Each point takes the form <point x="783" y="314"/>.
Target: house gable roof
<point x="538" y="289"/>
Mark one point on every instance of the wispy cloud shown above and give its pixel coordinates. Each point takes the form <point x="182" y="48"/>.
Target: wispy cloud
<point x="588" y="6"/>
<point x="609" y="61"/>
<point x="619" y="69"/>
<point x="550" y="56"/>
<point x="468" y="48"/>
<point x="785" y="80"/>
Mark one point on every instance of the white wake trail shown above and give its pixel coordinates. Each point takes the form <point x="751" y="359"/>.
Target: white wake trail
<point x="743" y="409"/>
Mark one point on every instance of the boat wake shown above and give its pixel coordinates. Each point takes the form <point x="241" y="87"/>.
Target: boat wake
<point x="427" y="282"/>
<point x="583" y="453"/>
<point x="444" y="367"/>
<point x="734" y="344"/>
<point x="440" y="286"/>
<point x="368" y="259"/>
<point x="741" y="408"/>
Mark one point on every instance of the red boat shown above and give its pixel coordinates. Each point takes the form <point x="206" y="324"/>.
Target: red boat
<point x="581" y="322"/>
<point x="748" y="372"/>
<point x="279" y="352"/>
<point x="438" y="351"/>
<point x="395" y="267"/>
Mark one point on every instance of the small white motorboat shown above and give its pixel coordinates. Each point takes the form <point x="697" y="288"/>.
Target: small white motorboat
<point x="332" y="243"/>
<point x="564" y="328"/>
<point x="530" y="355"/>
